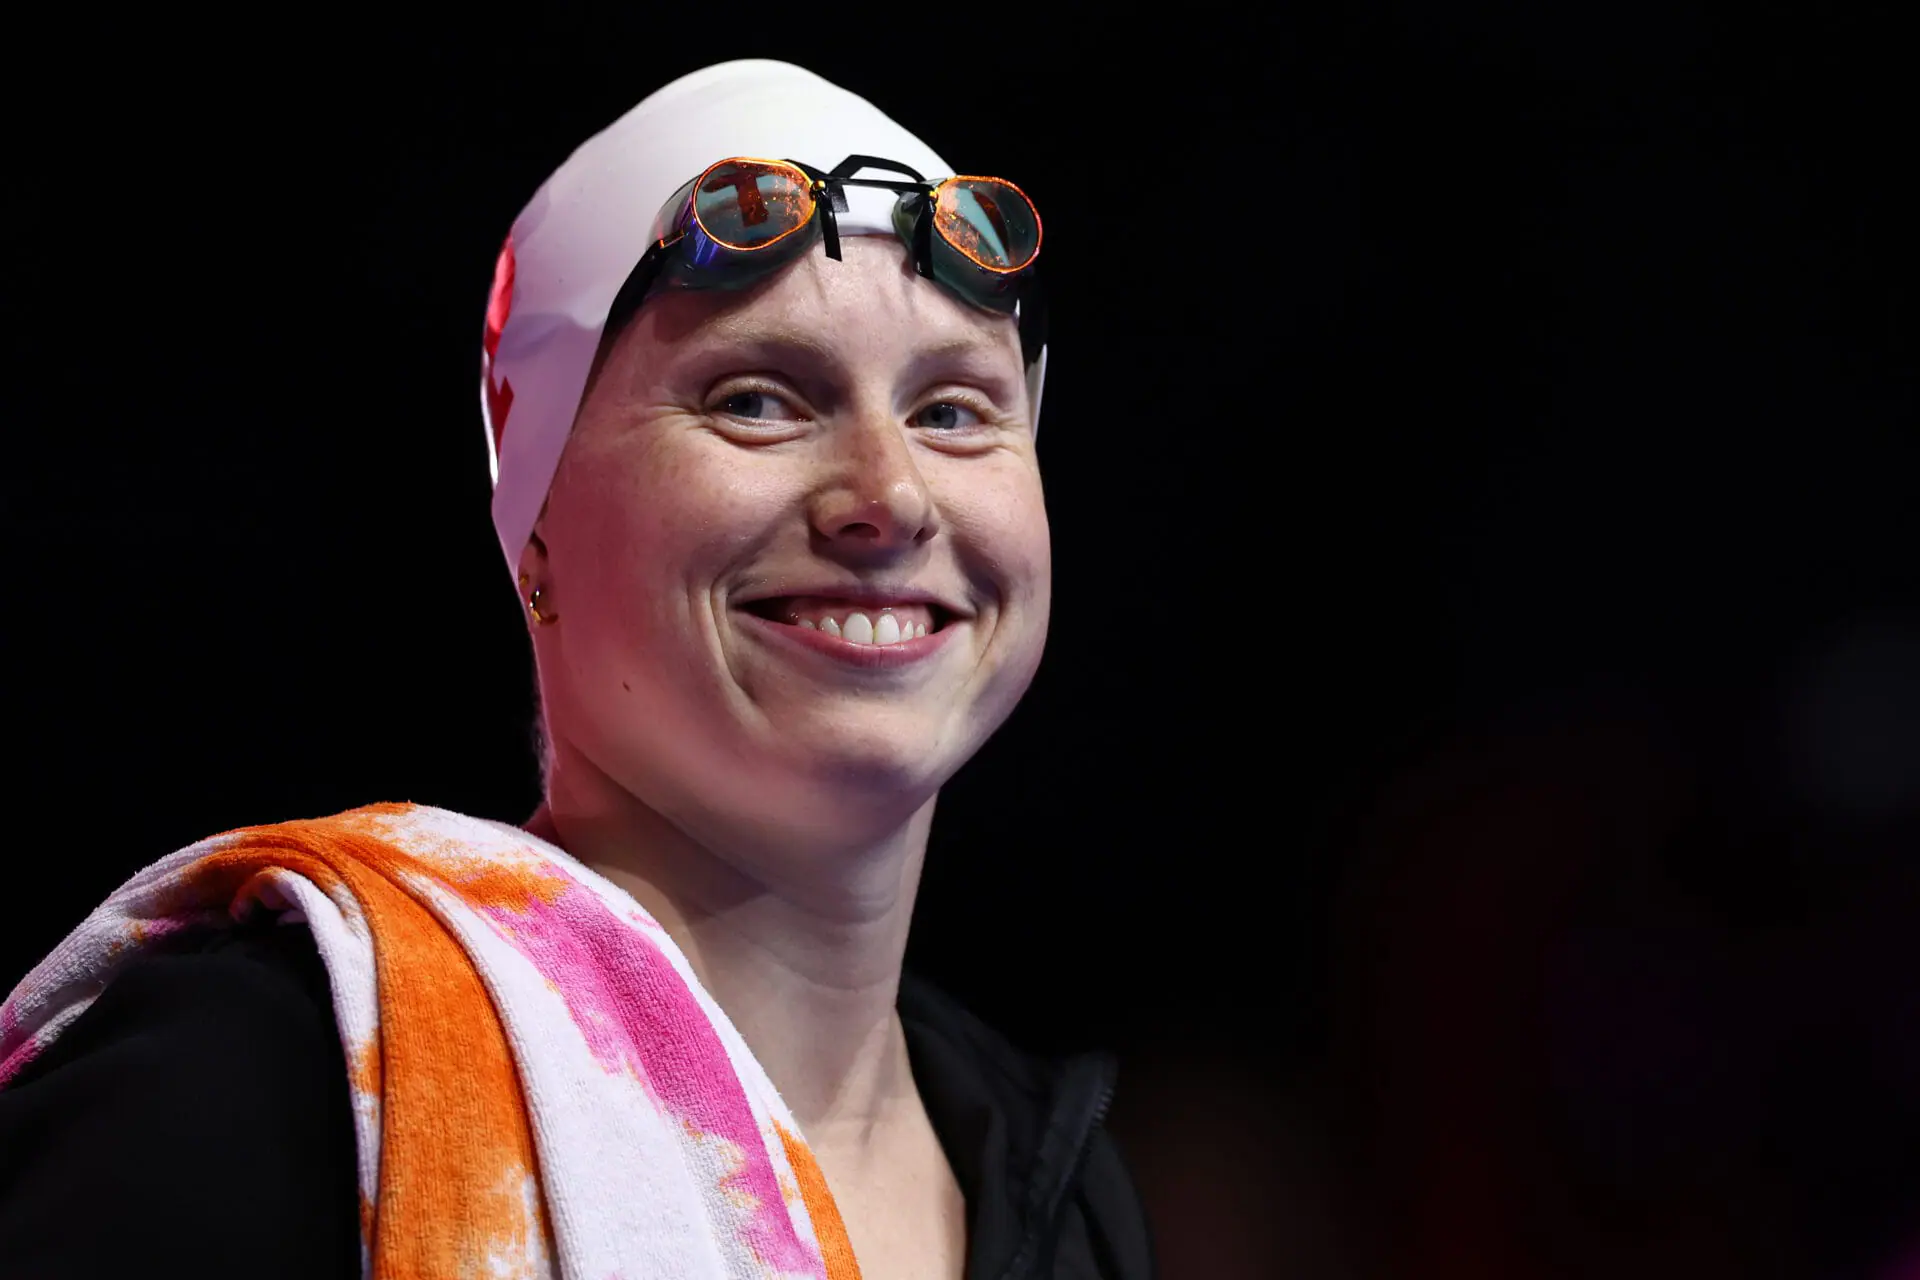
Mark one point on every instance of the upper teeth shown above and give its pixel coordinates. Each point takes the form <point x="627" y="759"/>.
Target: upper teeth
<point x="861" y="629"/>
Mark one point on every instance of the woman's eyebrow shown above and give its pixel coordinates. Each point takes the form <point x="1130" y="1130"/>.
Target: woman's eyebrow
<point x="772" y="346"/>
<point x="978" y="357"/>
<point x="804" y="350"/>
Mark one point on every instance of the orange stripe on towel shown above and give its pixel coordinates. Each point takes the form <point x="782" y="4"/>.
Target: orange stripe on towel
<point x="457" y="1162"/>
<point x="836" y="1250"/>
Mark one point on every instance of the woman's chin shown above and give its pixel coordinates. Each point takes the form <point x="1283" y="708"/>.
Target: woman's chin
<point x="871" y="769"/>
<point x="843" y="803"/>
<point x="894" y="765"/>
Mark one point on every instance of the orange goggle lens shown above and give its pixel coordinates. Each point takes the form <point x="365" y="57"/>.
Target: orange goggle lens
<point x="989" y="220"/>
<point x="751" y="204"/>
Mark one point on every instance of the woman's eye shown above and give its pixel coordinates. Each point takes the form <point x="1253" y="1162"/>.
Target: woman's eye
<point x="945" y="415"/>
<point x="762" y="405"/>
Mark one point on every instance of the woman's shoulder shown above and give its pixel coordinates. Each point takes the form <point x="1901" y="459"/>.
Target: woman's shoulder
<point x="205" y="1087"/>
<point x="203" y="1006"/>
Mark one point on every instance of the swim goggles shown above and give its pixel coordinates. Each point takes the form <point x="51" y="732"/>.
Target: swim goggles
<point x="742" y="217"/>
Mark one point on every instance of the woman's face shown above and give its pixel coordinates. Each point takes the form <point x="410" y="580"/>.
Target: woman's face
<point x="767" y="498"/>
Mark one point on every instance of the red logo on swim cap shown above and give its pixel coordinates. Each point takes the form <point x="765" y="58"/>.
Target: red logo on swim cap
<point x="499" y="397"/>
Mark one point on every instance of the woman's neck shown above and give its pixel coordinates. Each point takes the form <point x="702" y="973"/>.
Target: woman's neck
<point x="802" y="949"/>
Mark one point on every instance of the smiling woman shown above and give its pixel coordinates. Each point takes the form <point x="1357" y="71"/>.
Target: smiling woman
<point x="762" y="436"/>
<point x="726" y="482"/>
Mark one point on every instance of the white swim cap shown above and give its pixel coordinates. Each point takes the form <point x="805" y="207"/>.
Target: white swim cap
<point x="574" y="244"/>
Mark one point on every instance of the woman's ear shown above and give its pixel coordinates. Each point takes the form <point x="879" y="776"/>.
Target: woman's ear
<point x="536" y="587"/>
<point x="533" y="556"/>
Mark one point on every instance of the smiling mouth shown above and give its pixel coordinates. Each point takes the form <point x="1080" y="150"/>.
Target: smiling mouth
<point x="868" y="624"/>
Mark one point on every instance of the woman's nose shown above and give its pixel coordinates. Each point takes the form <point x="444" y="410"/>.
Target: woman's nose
<point x="874" y="498"/>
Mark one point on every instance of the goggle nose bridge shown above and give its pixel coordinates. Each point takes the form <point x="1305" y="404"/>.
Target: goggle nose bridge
<point x="834" y="183"/>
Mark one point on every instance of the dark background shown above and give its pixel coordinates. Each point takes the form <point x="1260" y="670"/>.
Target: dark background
<point x="1475" y="776"/>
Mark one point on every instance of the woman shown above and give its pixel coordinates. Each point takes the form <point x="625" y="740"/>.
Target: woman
<point x="762" y="428"/>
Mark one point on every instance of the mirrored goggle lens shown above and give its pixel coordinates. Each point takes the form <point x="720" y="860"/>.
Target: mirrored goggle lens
<point x="750" y="204"/>
<point x="989" y="220"/>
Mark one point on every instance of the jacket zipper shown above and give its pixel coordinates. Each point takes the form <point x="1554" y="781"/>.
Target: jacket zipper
<point x="1102" y="1070"/>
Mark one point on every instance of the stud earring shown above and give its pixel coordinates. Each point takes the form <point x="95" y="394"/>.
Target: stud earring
<point x="533" y="605"/>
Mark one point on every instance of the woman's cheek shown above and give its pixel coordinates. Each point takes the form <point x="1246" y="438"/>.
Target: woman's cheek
<point x="1005" y="519"/>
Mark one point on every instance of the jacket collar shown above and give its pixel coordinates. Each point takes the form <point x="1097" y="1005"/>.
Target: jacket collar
<point x="1015" y="1127"/>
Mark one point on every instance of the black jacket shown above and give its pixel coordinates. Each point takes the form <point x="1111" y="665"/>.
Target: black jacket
<point x="195" y="1121"/>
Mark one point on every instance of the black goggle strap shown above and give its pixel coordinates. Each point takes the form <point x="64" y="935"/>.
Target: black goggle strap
<point x="923" y="235"/>
<point x="829" y="224"/>
<point x="634" y="291"/>
<point x="843" y="175"/>
<point x="828" y="199"/>
<point x="1033" y="318"/>
<point x="854" y="164"/>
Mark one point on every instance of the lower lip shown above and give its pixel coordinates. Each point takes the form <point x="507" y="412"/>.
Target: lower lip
<point x="872" y="657"/>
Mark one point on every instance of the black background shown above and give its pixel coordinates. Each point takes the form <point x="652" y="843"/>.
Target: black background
<point x="1475" y="774"/>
